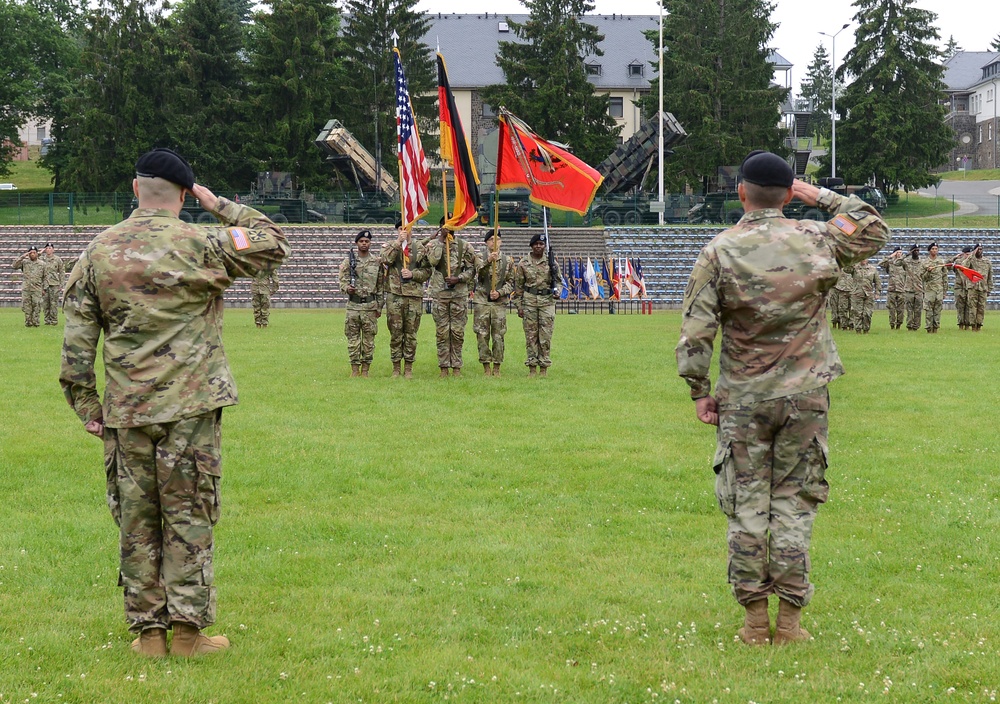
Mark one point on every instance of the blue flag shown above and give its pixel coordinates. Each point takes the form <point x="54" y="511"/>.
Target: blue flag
<point x="564" y="289"/>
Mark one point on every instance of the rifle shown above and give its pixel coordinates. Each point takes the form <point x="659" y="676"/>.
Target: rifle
<point x="353" y="261"/>
<point x="554" y="273"/>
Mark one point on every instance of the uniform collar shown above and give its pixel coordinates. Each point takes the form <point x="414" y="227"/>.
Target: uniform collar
<point x="764" y="214"/>
<point x="152" y="213"/>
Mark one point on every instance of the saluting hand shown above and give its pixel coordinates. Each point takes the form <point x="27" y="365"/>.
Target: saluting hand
<point x="806" y="192"/>
<point x="206" y="198"/>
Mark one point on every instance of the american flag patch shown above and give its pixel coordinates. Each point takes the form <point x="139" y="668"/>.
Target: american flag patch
<point x="239" y="236"/>
<point x="844" y="225"/>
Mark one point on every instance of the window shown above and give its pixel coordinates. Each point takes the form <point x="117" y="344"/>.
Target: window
<point x="991" y="132"/>
<point x="488" y="111"/>
<point x="617" y="108"/>
<point x="593" y="69"/>
<point x="635" y="70"/>
<point x="503" y="27"/>
<point x="41" y="133"/>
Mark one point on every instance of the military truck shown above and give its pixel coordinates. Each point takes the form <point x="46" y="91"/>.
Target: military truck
<point x="513" y="208"/>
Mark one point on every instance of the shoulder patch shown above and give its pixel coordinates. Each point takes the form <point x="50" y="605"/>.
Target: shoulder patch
<point x="239" y="236"/>
<point x="845" y="225"/>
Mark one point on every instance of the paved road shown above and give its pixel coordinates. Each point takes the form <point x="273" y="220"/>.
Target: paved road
<point x="971" y="197"/>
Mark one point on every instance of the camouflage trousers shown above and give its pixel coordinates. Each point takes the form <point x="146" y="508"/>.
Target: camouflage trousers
<point x="403" y="318"/>
<point x="862" y="307"/>
<point x="895" y="304"/>
<point x="31" y="306"/>
<point x="360" y="327"/>
<point x="50" y="304"/>
<point x="962" y="306"/>
<point x="539" y="322"/>
<point x="833" y="305"/>
<point x="770" y="468"/>
<point x="450" y="317"/>
<point x="932" y="310"/>
<point x="914" y="303"/>
<point x="976" y="307"/>
<point x="844" y="315"/>
<point x="489" y="321"/>
<point x="261" y="303"/>
<point x="163" y="492"/>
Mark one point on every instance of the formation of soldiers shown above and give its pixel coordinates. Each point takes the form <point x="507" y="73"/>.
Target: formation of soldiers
<point x="453" y="270"/>
<point x="41" y="286"/>
<point x="916" y="289"/>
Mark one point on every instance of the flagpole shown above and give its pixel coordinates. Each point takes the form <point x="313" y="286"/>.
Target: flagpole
<point x="659" y="118"/>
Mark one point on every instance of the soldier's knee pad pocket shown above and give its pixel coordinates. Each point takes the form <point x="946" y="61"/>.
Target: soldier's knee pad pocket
<point x="725" y="478"/>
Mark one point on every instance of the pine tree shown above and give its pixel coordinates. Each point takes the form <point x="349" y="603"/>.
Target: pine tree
<point x="951" y="48"/>
<point x="718" y="84"/>
<point x="368" y="101"/>
<point x="995" y="44"/>
<point x="815" y="93"/>
<point x="547" y="84"/>
<point x="294" y="73"/>
<point x="894" y="129"/>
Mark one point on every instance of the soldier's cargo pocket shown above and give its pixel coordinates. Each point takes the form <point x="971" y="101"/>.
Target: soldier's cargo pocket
<point x="814" y="486"/>
<point x="725" y="479"/>
<point x="111" y="474"/>
<point x="209" y="475"/>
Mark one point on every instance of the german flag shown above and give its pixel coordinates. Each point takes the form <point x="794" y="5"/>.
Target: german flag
<point x="455" y="151"/>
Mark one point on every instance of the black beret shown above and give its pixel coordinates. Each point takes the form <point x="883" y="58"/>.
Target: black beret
<point x="364" y="233"/>
<point x="914" y="247"/>
<point x="166" y="164"/>
<point x="932" y="244"/>
<point x="32" y="248"/>
<point x="48" y="244"/>
<point x="537" y="238"/>
<point x="766" y="169"/>
<point x="489" y="235"/>
<point x="898" y="249"/>
<point x="966" y="249"/>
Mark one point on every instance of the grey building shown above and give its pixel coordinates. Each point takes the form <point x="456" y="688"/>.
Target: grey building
<point x="971" y="80"/>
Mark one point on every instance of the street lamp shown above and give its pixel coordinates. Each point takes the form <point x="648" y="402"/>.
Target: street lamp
<point x="833" y="99"/>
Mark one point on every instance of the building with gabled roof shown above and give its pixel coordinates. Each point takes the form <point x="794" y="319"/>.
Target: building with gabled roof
<point x="972" y="79"/>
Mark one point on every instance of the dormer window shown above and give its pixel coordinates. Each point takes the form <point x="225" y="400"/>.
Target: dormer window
<point x="503" y="27"/>
<point x="635" y="70"/>
<point x="593" y="69"/>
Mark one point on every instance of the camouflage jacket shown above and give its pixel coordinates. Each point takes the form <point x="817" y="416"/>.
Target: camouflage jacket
<point x="463" y="265"/>
<point x="897" y="275"/>
<point x="265" y="282"/>
<point x="984" y="267"/>
<point x="484" y="278"/>
<point x="392" y="258"/>
<point x="935" y="276"/>
<point x="153" y="284"/>
<point x="55" y="270"/>
<point x="369" y="282"/>
<point x="33" y="273"/>
<point x="533" y="283"/>
<point x="764" y="282"/>
<point x="866" y="279"/>
<point x="913" y="273"/>
<point x="961" y="284"/>
<point x="845" y="282"/>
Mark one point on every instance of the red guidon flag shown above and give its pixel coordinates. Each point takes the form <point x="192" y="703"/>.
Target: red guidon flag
<point x="555" y="177"/>
<point x="456" y="152"/>
<point x="971" y="274"/>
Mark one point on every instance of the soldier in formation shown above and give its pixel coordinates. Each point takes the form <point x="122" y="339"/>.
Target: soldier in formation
<point x="935" y="283"/>
<point x="32" y="285"/>
<point x="406" y="271"/>
<point x="867" y="286"/>
<point x="979" y="291"/>
<point x="494" y="284"/>
<point x="534" y="285"/>
<point x="55" y="273"/>
<point x="262" y="287"/>
<point x="961" y="288"/>
<point x="894" y="299"/>
<point x="362" y="279"/>
<point x="913" y="286"/>
<point x="764" y="284"/>
<point x="153" y="285"/>
<point x="453" y="264"/>
<point x="844" y="287"/>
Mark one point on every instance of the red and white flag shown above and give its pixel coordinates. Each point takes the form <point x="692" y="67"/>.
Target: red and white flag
<point x="414" y="172"/>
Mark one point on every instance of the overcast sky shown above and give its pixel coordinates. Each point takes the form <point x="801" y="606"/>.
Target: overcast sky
<point x="799" y="22"/>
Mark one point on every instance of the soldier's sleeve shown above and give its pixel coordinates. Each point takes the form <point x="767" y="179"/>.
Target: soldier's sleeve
<point x="468" y="264"/>
<point x="390" y="252"/>
<point x="856" y="231"/>
<point x="276" y="278"/>
<point x="247" y="241"/>
<point x="380" y="287"/>
<point x="518" y="295"/>
<point x="481" y="261"/>
<point x="344" y="275"/>
<point x="508" y="281"/>
<point x="433" y="252"/>
<point x="700" y="321"/>
<point x="18" y="263"/>
<point x="80" y="337"/>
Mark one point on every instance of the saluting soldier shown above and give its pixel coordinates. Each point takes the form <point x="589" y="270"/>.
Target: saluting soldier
<point x="494" y="284"/>
<point x="894" y="297"/>
<point x="453" y="262"/>
<point x="935" y="279"/>
<point x="406" y="270"/>
<point x="979" y="291"/>
<point x="961" y="288"/>
<point x="534" y="284"/>
<point x="867" y="286"/>
<point x="913" y="286"/>
<point x="263" y="286"/>
<point x="55" y="273"/>
<point x="32" y="285"/>
<point x="362" y="279"/>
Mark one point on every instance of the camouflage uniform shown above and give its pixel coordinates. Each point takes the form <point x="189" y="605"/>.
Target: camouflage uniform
<point x="55" y="272"/>
<point x="32" y="288"/>
<point x="154" y="285"/>
<point x="489" y="318"/>
<point x="961" y="290"/>
<point x="935" y="281"/>
<point x="765" y="282"/>
<point x="451" y="305"/>
<point x="979" y="291"/>
<point x="364" y="306"/>
<point x="867" y="287"/>
<point x="262" y="287"/>
<point x="894" y="302"/>
<point x="537" y="306"/>
<point x="833" y="305"/>
<point x="845" y="289"/>
<point x="913" y="289"/>
<point x="404" y="300"/>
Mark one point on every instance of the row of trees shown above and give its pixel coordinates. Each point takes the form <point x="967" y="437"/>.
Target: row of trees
<point x="239" y="91"/>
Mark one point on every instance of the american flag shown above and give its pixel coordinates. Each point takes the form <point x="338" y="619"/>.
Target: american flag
<point x="414" y="172"/>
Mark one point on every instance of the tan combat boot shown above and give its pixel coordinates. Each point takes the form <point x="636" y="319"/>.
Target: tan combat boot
<point x="487" y="369"/>
<point x="395" y="368"/>
<point x="355" y="370"/>
<point x="151" y="643"/>
<point x="543" y="371"/>
<point x="456" y="371"/>
<point x="364" y="369"/>
<point x="496" y="369"/>
<point x="189" y="642"/>
<point x="408" y="370"/>
<point x="787" y="628"/>
<point x="444" y="372"/>
<point x="532" y="371"/>
<point x="756" y="624"/>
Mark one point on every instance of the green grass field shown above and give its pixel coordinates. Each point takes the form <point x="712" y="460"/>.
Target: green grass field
<point x="514" y="539"/>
